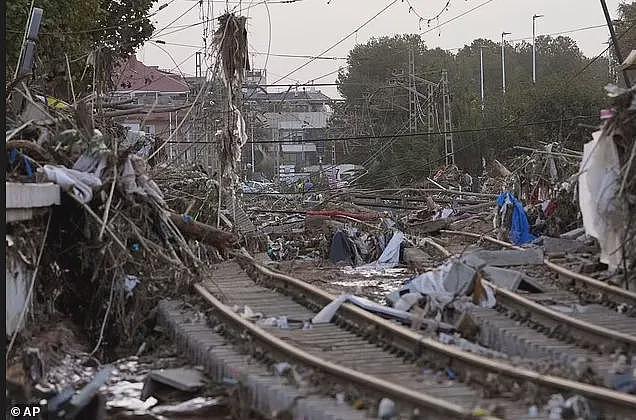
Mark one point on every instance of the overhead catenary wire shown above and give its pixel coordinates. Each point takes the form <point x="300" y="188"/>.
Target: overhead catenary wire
<point x="430" y="19"/>
<point x="339" y="42"/>
<point x="456" y="17"/>
<point x="283" y="55"/>
<point x="156" y="33"/>
<point x="415" y="134"/>
<point x="597" y="57"/>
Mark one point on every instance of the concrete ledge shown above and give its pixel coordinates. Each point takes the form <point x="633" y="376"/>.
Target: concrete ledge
<point x="24" y="196"/>
<point x="267" y="394"/>
<point x="17" y="215"/>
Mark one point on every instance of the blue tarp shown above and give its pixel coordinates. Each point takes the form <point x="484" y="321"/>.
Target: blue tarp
<point x="520" y="229"/>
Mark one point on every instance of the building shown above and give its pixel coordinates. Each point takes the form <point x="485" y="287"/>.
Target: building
<point x="137" y="84"/>
<point x="291" y="120"/>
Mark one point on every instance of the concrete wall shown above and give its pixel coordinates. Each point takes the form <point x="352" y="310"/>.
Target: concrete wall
<point x="18" y="279"/>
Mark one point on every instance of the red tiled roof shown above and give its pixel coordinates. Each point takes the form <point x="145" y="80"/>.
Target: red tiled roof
<point x="135" y="75"/>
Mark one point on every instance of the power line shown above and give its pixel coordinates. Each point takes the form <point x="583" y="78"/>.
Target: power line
<point x="578" y="73"/>
<point x="585" y="28"/>
<point x="238" y="2"/>
<point x="255" y="52"/>
<point x="415" y="134"/>
<point x="156" y="33"/>
<point x="421" y="18"/>
<point x="339" y="42"/>
<point x="457" y="17"/>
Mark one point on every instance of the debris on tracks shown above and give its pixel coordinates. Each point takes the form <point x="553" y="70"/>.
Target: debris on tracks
<point x="113" y="224"/>
<point x="607" y="185"/>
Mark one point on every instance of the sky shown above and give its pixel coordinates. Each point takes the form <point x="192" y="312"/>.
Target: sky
<point x="309" y="27"/>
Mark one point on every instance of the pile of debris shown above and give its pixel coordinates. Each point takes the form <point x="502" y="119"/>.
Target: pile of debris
<point x="114" y="246"/>
<point x="607" y="185"/>
<point x="545" y="180"/>
<point x="189" y="190"/>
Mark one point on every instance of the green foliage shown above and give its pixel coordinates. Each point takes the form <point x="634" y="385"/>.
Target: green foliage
<point x="110" y="29"/>
<point x="373" y="106"/>
<point x="627" y="19"/>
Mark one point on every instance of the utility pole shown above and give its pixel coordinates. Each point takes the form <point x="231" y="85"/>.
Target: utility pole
<point x="412" y="93"/>
<point x="198" y="70"/>
<point x="617" y="49"/>
<point x="431" y="108"/>
<point x="481" y="75"/>
<point x="252" y="129"/>
<point x="534" y="51"/>
<point x="448" y="126"/>
<point x="503" y="62"/>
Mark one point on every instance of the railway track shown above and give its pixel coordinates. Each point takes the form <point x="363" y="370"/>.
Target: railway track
<point x="553" y="324"/>
<point x="370" y="358"/>
<point x="588" y="286"/>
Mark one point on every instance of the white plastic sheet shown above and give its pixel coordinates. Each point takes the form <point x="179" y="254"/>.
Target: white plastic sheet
<point x="442" y="285"/>
<point x="80" y="184"/>
<point x="327" y="313"/>
<point x="603" y="214"/>
<point x="390" y="257"/>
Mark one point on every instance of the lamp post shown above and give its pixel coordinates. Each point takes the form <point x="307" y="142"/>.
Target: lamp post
<point x="481" y="75"/>
<point x="503" y="63"/>
<point x="534" y="52"/>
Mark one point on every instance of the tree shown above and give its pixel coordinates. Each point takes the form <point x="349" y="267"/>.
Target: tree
<point x="374" y="87"/>
<point x="85" y="31"/>
<point x="624" y="26"/>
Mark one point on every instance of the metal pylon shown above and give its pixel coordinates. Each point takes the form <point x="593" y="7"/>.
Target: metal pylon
<point x="448" y="126"/>
<point x="413" y="111"/>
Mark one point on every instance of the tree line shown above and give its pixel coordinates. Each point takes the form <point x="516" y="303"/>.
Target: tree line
<point x="374" y="85"/>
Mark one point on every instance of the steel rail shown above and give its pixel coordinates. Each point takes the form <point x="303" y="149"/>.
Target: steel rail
<point x="613" y="293"/>
<point x="594" y="335"/>
<point x="604" y="339"/>
<point x="413" y="343"/>
<point x="439" y="406"/>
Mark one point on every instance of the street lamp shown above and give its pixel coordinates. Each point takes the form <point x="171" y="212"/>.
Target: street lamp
<point x="534" y="53"/>
<point x="481" y="75"/>
<point x="503" y="62"/>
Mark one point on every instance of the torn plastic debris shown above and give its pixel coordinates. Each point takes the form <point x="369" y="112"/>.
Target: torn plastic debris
<point x="278" y="322"/>
<point x="327" y="313"/>
<point x="442" y="285"/>
<point x="574" y="407"/>
<point x="443" y="214"/>
<point x="282" y="368"/>
<point x="520" y="228"/>
<point x="247" y="312"/>
<point x="191" y="406"/>
<point x="390" y="257"/>
<point x="80" y="184"/>
<point x="603" y="214"/>
<point x="342" y="249"/>
<point x="130" y="282"/>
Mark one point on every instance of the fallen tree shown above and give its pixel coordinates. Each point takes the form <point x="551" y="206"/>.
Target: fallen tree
<point x="202" y="232"/>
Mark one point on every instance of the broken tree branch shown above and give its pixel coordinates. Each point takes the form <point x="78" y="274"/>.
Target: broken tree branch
<point x="202" y="232"/>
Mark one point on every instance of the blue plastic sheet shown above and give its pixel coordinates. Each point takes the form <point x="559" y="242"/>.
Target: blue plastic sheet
<point x="520" y="229"/>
